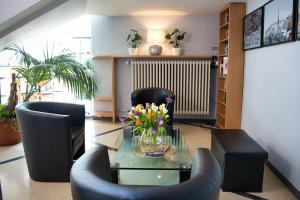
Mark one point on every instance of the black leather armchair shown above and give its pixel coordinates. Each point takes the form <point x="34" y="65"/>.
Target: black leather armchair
<point x="0" y="192"/>
<point x="91" y="179"/>
<point x="53" y="135"/>
<point x="154" y="95"/>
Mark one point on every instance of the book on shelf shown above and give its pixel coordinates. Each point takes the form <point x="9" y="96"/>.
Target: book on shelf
<point x="224" y="67"/>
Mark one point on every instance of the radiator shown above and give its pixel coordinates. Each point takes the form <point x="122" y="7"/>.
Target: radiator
<point x="188" y="79"/>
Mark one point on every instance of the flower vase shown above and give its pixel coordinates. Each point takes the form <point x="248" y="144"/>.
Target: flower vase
<point x="151" y="139"/>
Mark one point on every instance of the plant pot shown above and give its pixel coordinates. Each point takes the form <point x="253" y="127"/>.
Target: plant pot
<point x="177" y="51"/>
<point x="8" y="133"/>
<point x="133" y="51"/>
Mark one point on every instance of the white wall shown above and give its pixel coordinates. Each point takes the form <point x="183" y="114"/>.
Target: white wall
<point x="109" y="38"/>
<point x="271" y="106"/>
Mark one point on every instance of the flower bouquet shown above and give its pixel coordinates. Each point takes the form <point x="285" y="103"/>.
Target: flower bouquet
<point x="149" y="122"/>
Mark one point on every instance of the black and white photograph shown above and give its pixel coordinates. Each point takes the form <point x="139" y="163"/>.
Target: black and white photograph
<point x="298" y="23"/>
<point x="253" y="25"/>
<point x="278" y="22"/>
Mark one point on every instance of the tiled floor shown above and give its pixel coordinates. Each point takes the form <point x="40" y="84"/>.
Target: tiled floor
<point x="17" y="185"/>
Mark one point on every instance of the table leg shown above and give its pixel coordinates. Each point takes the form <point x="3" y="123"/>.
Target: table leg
<point x="114" y="170"/>
<point x="185" y="172"/>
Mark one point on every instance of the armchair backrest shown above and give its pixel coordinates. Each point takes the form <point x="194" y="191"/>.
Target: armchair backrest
<point x="75" y="111"/>
<point x="93" y="183"/>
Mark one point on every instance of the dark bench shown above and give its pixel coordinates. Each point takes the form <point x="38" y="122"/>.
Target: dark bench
<point x="241" y="160"/>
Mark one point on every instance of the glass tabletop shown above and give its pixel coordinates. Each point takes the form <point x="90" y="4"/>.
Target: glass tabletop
<point x="177" y="157"/>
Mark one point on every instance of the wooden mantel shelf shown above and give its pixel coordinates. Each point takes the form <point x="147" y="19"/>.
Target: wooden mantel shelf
<point x="114" y="59"/>
<point x="149" y="56"/>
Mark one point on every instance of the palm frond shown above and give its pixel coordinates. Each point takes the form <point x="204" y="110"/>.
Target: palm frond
<point x="81" y="80"/>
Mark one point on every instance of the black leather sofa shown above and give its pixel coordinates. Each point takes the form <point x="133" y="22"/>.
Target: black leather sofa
<point x="53" y="136"/>
<point x="91" y="180"/>
<point x="154" y="95"/>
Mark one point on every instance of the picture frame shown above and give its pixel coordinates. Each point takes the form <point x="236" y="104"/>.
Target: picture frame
<point x="278" y="28"/>
<point x="253" y="24"/>
<point x="297" y="19"/>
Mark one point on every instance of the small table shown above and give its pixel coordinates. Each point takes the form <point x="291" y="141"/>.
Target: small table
<point x="178" y="156"/>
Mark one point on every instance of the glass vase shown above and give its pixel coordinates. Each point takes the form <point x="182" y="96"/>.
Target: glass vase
<point x="150" y="139"/>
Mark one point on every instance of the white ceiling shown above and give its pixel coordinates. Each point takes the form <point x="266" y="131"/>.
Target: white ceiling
<point x="10" y="8"/>
<point x="156" y="7"/>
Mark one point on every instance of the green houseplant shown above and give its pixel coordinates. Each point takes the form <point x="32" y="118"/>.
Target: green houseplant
<point x="134" y="39"/>
<point x="80" y="79"/>
<point x="175" y="38"/>
<point x="9" y="130"/>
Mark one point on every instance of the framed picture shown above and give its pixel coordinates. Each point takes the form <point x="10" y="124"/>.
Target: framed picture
<point x="298" y="20"/>
<point x="278" y="22"/>
<point x="253" y="29"/>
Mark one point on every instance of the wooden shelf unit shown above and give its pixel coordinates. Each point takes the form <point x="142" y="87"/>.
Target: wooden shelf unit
<point x="112" y="98"/>
<point x="230" y="85"/>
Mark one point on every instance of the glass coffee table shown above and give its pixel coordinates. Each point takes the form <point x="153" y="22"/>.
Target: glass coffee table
<point x="176" y="158"/>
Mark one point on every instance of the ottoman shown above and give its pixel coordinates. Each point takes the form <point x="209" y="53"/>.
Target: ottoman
<point x="241" y="160"/>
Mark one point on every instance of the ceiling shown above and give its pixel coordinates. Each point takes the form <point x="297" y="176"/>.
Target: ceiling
<point x="156" y="7"/>
<point x="19" y="13"/>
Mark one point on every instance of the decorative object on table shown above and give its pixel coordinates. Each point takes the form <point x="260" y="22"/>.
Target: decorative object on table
<point x="80" y="79"/>
<point x="298" y="21"/>
<point x="278" y="27"/>
<point x="155" y="37"/>
<point x="155" y="95"/>
<point x="149" y="122"/>
<point x="9" y="129"/>
<point x="175" y="38"/>
<point x="134" y="39"/>
<point x="155" y="151"/>
<point x="253" y="29"/>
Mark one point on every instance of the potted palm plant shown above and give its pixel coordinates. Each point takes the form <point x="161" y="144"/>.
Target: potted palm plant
<point x="134" y="39"/>
<point x="9" y="131"/>
<point x="80" y="79"/>
<point x="175" y="38"/>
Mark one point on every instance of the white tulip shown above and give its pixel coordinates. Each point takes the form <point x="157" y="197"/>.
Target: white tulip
<point x="165" y="111"/>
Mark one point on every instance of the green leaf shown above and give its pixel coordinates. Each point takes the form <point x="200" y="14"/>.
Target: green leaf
<point x="134" y="30"/>
<point x="128" y="37"/>
<point x="80" y="79"/>
<point x="176" y="30"/>
<point x="179" y="37"/>
<point x="168" y="36"/>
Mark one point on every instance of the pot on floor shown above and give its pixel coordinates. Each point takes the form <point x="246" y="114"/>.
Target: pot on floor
<point x="9" y="133"/>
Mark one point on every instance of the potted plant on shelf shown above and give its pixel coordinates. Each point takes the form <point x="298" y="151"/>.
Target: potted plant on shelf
<point x="175" y="38"/>
<point x="134" y="39"/>
<point x="9" y="130"/>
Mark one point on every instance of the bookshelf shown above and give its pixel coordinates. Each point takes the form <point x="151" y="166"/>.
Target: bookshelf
<point x="231" y="66"/>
